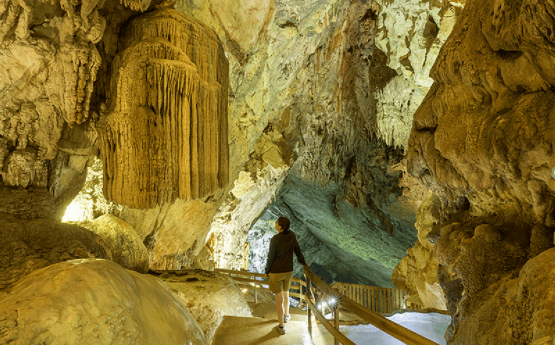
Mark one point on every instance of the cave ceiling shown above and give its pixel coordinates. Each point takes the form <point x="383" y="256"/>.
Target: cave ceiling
<point x="317" y="115"/>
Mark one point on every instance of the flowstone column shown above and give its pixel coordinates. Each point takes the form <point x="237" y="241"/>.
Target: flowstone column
<point x="165" y="133"/>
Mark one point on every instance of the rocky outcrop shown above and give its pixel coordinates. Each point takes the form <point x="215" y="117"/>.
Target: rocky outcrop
<point x="125" y="246"/>
<point x="516" y="310"/>
<point x="409" y="34"/>
<point x="483" y="140"/>
<point x="208" y="296"/>
<point x="417" y="272"/>
<point x="90" y="203"/>
<point x="30" y="245"/>
<point x="474" y="134"/>
<point x="48" y="66"/>
<point x="253" y="192"/>
<point x="175" y="234"/>
<point x="94" y="302"/>
<point x="165" y="134"/>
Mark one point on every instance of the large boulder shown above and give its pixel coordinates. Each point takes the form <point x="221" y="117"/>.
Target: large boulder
<point x="29" y="245"/>
<point x="123" y="242"/>
<point x="209" y="296"/>
<point x="94" y="301"/>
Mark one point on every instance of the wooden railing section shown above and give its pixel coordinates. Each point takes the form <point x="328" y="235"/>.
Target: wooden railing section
<point x="319" y="292"/>
<point x="378" y="299"/>
<point x="248" y="280"/>
<point x="363" y="301"/>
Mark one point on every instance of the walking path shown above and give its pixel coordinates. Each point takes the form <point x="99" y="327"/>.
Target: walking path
<point x="259" y="329"/>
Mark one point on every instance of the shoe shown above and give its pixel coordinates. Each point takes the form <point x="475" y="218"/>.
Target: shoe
<point x="281" y="330"/>
<point x="286" y="318"/>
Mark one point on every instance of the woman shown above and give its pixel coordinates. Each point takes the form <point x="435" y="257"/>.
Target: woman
<point x="279" y="268"/>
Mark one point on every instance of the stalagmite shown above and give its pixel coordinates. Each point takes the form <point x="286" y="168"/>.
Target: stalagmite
<point x="165" y="133"/>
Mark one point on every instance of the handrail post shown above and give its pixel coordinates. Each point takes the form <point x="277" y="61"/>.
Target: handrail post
<point x="308" y="310"/>
<point x="336" y="317"/>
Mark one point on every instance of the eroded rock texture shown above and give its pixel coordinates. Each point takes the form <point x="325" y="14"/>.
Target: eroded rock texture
<point x="165" y="135"/>
<point x="29" y="245"/>
<point x="124" y="244"/>
<point x="485" y="128"/>
<point x="94" y="302"/>
<point x="299" y="83"/>
<point x="208" y="296"/>
<point x="49" y="62"/>
<point x="409" y="35"/>
<point x="483" y="139"/>
<point x="417" y="272"/>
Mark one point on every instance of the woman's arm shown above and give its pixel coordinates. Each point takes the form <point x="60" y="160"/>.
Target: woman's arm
<point x="271" y="255"/>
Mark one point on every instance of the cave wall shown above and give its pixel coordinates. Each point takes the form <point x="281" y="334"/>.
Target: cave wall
<point x="307" y="85"/>
<point x="310" y="84"/>
<point x="483" y="140"/>
<point x="165" y="132"/>
<point x="332" y="83"/>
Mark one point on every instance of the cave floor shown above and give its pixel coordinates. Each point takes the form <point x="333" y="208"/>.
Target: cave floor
<point x="259" y="329"/>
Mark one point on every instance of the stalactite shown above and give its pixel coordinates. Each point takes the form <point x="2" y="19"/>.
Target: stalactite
<point x="165" y="134"/>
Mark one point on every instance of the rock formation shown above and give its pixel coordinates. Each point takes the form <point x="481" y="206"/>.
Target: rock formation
<point x="125" y="246"/>
<point x="29" y="245"/>
<point x="409" y="34"/>
<point x="48" y="67"/>
<point x="94" y="302"/>
<point x="165" y="134"/>
<point x="208" y="296"/>
<point x="483" y="140"/>
<point x="417" y="272"/>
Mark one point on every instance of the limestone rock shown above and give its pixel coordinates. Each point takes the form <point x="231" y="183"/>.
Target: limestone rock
<point x="208" y="296"/>
<point x="484" y="134"/>
<point x="517" y="310"/>
<point x="124" y="244"/>
<point x="94" y="302"/>
<point x="165" y="132"/>
<point x="467" y="136"/>
<point x="410" y="35"/>
<point x="309" y="73"/>
<point x="427" y="217"/>
<point x="48" y="65"/>
<point x="90" y="203"/>
<point x="175" y="234"/>
<point x="253" y="192"/>
<point x="30" y="245"/>
<point x="417" y="272"/>
<point x="540" y="240"/>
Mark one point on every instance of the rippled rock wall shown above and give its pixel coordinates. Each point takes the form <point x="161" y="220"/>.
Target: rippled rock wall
<point x="483" y="139"/>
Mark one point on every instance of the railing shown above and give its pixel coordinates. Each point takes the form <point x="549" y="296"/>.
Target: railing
<point x="295" y="289"/>
<point x="378" y="299"/>
<point x="318" y="293"/>
<point x="323" y="294"/>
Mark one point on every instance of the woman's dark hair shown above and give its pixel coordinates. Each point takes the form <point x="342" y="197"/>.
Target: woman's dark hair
<point x="283" y="222"/>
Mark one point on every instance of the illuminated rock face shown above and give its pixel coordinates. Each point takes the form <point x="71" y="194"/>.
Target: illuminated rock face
<point x="483" y="140"/>
<point x="165" y="135"/>
<point x="417" y="272"/>
<point x="94" y="302"/>
<point x="122" y="241"/>
<point x="28" y="245"/>
<point x="209" y="297"/>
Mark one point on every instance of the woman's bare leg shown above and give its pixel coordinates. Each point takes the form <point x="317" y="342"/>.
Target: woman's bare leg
<point x="279" y="307"/>
<point x="286" y="302"/>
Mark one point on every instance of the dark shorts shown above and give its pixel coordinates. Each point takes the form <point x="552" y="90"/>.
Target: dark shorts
<point x="280" y="282"/>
